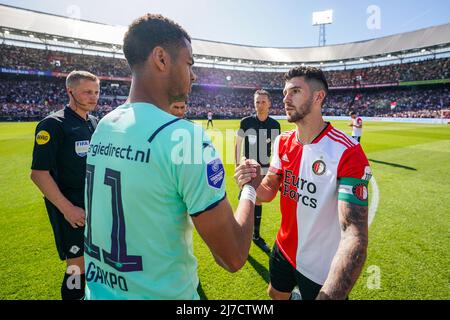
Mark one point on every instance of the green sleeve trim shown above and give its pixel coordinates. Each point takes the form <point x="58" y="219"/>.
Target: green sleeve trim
<point x="352" y="199"/>
<point x="354" y="191"/>
<point x="352" y="181"/>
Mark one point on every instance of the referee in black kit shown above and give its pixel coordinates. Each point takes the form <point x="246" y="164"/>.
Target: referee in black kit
<point x="258" y="132"/>
<point x="59" y="170"/>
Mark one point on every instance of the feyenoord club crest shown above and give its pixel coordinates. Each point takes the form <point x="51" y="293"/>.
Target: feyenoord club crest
<point x="360" y="191"/>
<point x="319" y="167"/>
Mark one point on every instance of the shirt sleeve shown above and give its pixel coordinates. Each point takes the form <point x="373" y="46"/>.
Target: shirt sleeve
<point x="354" y="174"/>
<point x="242" y="128"/>
<point x="46" y="142"/>
<point x="278" y="127"/>
<point x="201" y="183"/>
<point x="275" y="163"/>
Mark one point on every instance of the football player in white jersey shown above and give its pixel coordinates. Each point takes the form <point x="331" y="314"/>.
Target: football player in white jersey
<point x="356" y="125"/>
<point x="322" y="177"/>
<point x="210" y="118"/>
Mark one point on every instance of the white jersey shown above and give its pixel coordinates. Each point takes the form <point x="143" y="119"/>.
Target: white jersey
<point x="314" y="177"/>
<point x="357" y="132"/>
<point x="210" y="115"/>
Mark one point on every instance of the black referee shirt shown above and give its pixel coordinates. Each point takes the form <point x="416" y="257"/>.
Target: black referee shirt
<point x="60" y="146"/>
<point x="258" y="137"/>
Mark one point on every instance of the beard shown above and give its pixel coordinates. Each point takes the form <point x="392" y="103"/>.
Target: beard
<point x="301" y="112"/>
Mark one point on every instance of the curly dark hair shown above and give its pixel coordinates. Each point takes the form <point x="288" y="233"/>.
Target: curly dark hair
<point x="149" y="31"/>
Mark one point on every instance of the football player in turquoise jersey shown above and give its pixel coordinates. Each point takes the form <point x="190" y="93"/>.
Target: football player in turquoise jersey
<point x="152" y="176"/>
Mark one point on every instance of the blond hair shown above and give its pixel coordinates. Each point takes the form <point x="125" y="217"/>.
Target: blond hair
<point x="75" y="76"/>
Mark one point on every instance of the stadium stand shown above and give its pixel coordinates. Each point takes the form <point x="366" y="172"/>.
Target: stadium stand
<point x="405" y="75"/>
<point x="32" y="100"/>
<point x="34" y="59"/>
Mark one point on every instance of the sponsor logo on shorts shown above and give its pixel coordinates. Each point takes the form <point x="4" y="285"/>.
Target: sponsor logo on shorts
<point x="42" y="137"/>
<point x="319" y="167"/>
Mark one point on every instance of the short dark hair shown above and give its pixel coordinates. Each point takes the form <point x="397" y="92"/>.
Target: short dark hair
<point x="352" y="113"/>
<point x="149" y="31"/>
<point x="310" y="74"/>
<point x="262" y="92"/>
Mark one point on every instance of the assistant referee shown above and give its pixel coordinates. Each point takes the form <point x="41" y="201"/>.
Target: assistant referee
<point x="258" y="132"/>
<point x="59" y="170"/>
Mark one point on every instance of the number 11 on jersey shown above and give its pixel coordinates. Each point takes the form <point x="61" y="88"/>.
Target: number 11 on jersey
<point x="117" y="257"/>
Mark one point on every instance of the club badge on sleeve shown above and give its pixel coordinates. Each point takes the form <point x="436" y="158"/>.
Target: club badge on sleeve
<point x="215" y="173"/>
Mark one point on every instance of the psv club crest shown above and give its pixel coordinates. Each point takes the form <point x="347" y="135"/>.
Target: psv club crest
<point x="319" y="167"/>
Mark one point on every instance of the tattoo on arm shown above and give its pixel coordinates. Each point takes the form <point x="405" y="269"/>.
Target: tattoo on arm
<point x="351" y="254"/>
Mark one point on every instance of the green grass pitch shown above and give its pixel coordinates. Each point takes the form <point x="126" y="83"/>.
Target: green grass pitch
<point x="409" y="237"/>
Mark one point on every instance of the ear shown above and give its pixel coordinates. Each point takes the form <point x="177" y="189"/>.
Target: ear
<point x="160" y="58"/>
<point x="320" y="96"/>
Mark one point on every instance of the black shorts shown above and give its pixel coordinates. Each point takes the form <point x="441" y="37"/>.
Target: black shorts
<point x="69" y="241"/>
<point x="284" y="277"/>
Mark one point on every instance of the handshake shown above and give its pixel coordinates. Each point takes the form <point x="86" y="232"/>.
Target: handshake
<point x="248" y="172"/>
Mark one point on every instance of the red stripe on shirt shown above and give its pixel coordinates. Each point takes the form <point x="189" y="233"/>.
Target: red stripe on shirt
<point x="334" y="138"/>
<point x="343" y="136"/>
<point x="287" y="237"/>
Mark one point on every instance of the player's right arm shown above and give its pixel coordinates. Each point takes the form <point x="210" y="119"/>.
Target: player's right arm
<point x="268" y="188"/>
<point x="202" y="189"/>
<point x="270" y="185"/>
<point x="227" y="235"/>
<point x="46" y="144"/>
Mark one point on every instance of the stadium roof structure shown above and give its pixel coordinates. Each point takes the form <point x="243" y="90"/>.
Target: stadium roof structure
<point x="49" y="27"/>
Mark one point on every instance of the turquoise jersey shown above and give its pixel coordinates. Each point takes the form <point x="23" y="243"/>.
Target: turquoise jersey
<point x="147" y="174"/>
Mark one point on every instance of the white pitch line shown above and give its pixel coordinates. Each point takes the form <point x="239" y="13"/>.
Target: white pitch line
<point x="375" y="200"/>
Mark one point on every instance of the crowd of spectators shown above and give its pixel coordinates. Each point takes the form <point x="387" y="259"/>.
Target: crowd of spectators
<point x="227" y="93"/>
<point x="36" y="59"/>
<point x="45" y="60"/>
<point x="33" y="100"/>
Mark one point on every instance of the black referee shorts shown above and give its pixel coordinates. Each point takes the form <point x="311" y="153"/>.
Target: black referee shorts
<point x="284" y="277"/>
<point x="69" y="241"/>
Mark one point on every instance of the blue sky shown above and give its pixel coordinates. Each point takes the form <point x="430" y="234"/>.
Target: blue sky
<point x="271" y="23"/>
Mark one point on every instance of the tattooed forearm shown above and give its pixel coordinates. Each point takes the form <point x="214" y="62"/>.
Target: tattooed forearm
<point x="351" y="254"/>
